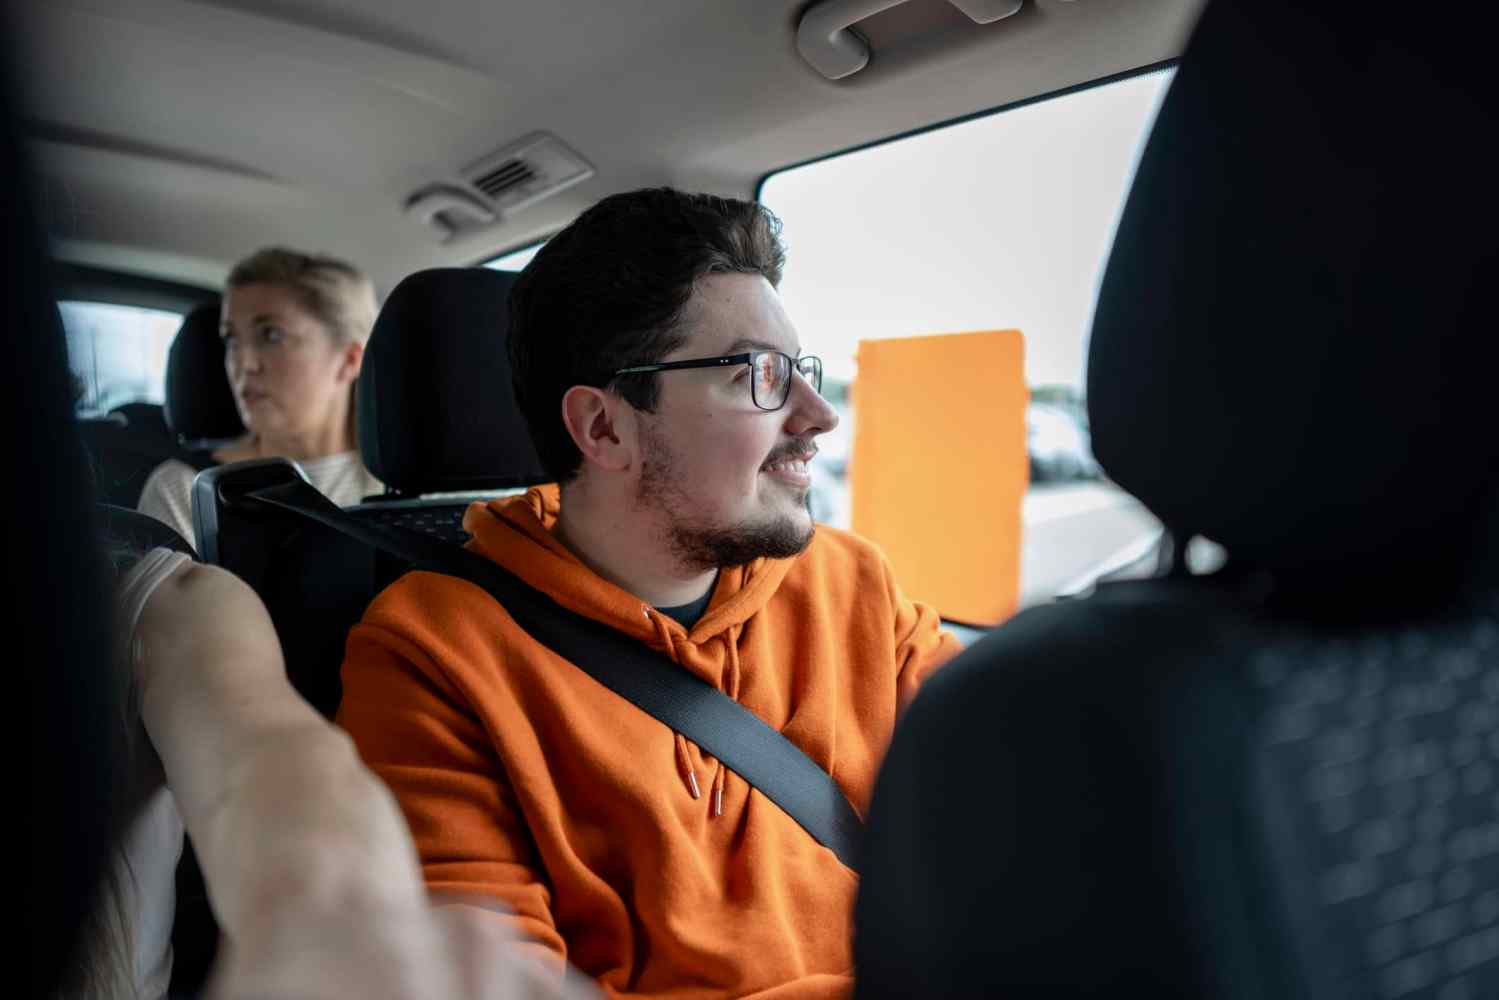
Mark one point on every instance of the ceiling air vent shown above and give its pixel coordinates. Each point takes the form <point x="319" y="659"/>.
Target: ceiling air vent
<point x="501" y="184"/>
<point x="527" y="171"/>
<point x="504" y="177"/>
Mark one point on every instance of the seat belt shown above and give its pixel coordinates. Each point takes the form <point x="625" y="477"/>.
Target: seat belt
<point x="654" y="683"/>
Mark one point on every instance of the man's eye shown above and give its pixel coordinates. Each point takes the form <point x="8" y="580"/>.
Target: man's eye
<point x="272" y="335"/>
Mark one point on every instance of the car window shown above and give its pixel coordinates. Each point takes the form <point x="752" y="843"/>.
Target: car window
<point x="117" y="353"/>
<point x="515" y="259"/>
<point x="997" y="222"/>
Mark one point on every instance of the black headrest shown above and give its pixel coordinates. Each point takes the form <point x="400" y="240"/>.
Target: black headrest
<point x="437" y="412"/>
<point x="1293" y="351"/>
<point x="199" y="403"/>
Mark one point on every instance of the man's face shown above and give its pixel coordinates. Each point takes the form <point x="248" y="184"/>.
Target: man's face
<point x="728" y="478"/>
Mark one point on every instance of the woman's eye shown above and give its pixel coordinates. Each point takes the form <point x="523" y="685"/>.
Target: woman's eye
<point x="272" y="335"/>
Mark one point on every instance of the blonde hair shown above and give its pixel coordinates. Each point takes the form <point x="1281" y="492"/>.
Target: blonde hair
<point x="336" y="293"/>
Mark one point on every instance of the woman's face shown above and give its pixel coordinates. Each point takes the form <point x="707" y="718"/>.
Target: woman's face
<point x="290" y="379"/>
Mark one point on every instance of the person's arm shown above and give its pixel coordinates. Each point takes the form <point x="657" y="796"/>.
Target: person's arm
<point x="921" y="643"/>
<point x="309" y="866"/>
<point x="167" y="496"/>
<point x="416" y="731"/>
<point x="274" y="798"/>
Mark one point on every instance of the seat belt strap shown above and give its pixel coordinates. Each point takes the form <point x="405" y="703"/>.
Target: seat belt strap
<point x="658" y="686"/>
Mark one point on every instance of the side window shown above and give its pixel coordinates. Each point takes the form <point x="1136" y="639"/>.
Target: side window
<point x="998" y="222"/>
<point x="515" y="259"/>
<point x="117" y="353"/>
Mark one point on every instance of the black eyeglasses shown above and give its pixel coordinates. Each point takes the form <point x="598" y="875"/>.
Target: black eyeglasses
<point x="770" y="385"/>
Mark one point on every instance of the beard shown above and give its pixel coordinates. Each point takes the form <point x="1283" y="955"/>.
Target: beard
<point x="701" y="545"/>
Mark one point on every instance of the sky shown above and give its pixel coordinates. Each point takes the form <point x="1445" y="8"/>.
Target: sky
<point x="1002" y="222"/>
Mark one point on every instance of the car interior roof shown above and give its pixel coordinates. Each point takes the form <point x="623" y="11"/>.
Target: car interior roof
<point x="173" y="136"/>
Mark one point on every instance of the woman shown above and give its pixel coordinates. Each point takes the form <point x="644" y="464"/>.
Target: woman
<point x="294" y="328"/>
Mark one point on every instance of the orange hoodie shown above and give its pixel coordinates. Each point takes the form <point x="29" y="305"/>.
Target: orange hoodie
<point x="619" y="845"/>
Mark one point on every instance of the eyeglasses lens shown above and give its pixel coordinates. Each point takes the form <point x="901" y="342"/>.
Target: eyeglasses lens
<point x="772" y="379"/>
<point x="811" y="369"/>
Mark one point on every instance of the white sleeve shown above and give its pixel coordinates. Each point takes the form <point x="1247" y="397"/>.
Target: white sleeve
<point x="167" y="496"/>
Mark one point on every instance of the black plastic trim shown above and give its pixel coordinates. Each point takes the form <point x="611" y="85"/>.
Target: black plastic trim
<point x="85" y="283"/>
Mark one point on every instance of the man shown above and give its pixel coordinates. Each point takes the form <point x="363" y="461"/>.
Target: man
<point x="665" y="389"/>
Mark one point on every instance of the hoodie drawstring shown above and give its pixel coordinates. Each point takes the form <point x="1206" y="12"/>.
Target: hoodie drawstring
<point x="684" y="767"/>
<point x="684" y="759"/>
<point x="731" y="688"/>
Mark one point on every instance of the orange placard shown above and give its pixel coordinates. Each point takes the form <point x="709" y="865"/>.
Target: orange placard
<point x="939" y="466"/>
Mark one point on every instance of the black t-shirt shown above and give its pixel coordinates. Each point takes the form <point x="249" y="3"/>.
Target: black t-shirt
<point x="688" y="614"/>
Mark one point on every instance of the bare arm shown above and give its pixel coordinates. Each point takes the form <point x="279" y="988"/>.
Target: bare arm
<point x="276" y="800"/>
<point x="307" y="858"/>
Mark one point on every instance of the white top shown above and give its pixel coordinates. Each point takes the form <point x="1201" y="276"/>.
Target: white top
<point x="151" y="842"/>
<point x="167" y="495"/>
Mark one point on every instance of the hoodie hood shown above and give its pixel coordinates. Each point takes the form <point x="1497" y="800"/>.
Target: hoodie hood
<point x="516" y="533"/>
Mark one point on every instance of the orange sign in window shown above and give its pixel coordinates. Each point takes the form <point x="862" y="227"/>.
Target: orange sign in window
<point x="939" y="466"/>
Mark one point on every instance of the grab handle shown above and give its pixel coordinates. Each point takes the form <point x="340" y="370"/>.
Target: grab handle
<point x="826" y="39"/>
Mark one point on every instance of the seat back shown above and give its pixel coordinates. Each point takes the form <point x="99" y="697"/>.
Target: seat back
<point x="123" y="447"/>
<point x="436" y="414"/>
<point x="1281" y="780"/>
<point x="200" y="413"/>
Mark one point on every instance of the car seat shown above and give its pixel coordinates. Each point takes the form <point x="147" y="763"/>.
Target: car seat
<point x="1282" y="779"/>
<point x="436" y="414"/>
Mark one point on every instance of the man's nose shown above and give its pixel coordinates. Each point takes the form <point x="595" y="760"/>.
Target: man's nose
<point x="811" y="414"/>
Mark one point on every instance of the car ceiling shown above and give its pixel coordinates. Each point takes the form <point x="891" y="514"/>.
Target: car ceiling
<point x="173" y="136"/>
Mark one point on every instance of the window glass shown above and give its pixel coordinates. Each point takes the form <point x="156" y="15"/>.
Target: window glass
<point x="999" y="222"/>
<point x="117" y="353"/>
<point x="515" y="259"/>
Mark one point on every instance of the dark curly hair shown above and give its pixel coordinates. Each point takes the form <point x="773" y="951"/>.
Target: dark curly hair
<point x="608" y="292"/>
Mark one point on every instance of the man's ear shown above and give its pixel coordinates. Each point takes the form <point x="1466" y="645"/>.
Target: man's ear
<point x="601" y="425"/>
<point x="351" y="359"/>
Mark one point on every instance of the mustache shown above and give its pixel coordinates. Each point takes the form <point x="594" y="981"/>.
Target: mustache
<point x="802" y="451"/>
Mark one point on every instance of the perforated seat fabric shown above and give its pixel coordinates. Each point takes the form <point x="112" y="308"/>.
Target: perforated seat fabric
<point x="130" y="530"/>
<point x="440" y="520"/>
<point x="1280" y="781"/>
<point x="1166" y="791"/>
<point x="1380" y="756"/>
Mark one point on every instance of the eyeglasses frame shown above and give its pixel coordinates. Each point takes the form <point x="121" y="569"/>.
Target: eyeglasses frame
<point x="727" y="360"/>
